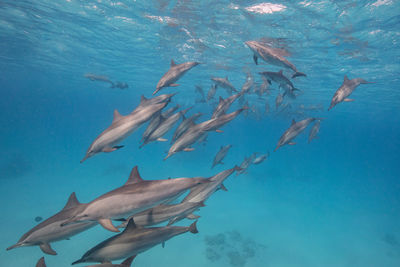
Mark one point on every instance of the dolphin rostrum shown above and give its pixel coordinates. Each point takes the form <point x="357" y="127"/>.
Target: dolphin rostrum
<point x="126" y="263"/>
<point x="132" y="241"/>
<point x="294" y="130"/>
<point x="314" y="131"/>
<point x="50" y="230"/>
<point x="121" y="127"/>
<point x="221" y="155"/>
<point x="274" y="56"/>
<point x="175" y="72"/>
<point x="347" y="87"/>
<point x="133" y="197"/>
<point x="224" y="83"/>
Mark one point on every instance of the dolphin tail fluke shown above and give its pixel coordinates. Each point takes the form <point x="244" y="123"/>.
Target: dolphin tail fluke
<point x="128" y="261"/>
<point x="107" y="224"/>
<point x="193" y="228"/>
<point x="298" y="74"/>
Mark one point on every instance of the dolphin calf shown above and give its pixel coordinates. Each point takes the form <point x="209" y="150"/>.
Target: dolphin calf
<point x="185" y="124"/>
<point x="133" y="197"/>
<point x="221" y="155"/>
<point x="314" y="131"/>
<point x="224" y="105"/>
<point x="175" y="72"/>
<point x="224" y="83"/>
<point x="260" y="158"/>
<point x="121" y="127"/>
<point x="41" y="262"/>
<point x="164" y="212"/>
<point x="211" y="92"/>
<point x="294" y="130"/>
<point x="132" y="241"/>
<point x="125" y="263"/>
<point x="272" y="56"/>
<point x="202" y="193"/>
<point x="347" y="87"/>
<point x="50" y="230"/>
<point x="283" y="82"/>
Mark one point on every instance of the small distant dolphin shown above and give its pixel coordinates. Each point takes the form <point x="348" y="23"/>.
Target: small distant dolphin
<point x="314" y="131"/>
<point x="294" y="130"/>
<point x="185" y="124"/>
<point x="100" y="78"/>
<point x="224" y="105"/>
<point x="133" y="197"/>
<point x="41" y="262"/>
<point x="119" y="85"/>
<point x="202" y="193"/>
<point x="224" y="83"/>
<point x="50" y="230"/>
<point x="164" y="212"/>
<point x="283" y="82"/>
<point x="221" y="155"/>
<point x="260" y="158"/>
<point x="132" y="241"/>
<point x="347" y="87"/>
<point x="125" y="263"/>
<point x="120" y="128"/>
<point x="278" y="101"/>
<point x="211" y="92"/>
<point x="174" y="74"/>
<point x="272" y="56"/>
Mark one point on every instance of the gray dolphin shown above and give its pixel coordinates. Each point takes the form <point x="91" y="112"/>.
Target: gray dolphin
<point x="100" y="78"/>
<point x="133" y="197"/>
<point x="202" y="193"/>
<point x="50" y="230"/>
<point x="314" y="131"/>
<point x="224" y="83"/>
<point x="221" y="155"/>
<point x="41" y="262"/>
<point x="211" y="92"/>
<point x="175" y="72"/>
<point x="224" y="105"/>
<point x="126" y="263"/>
<point x="294" y="130"/>
<point x="272" y="56"/>
<point x="185" y="124"/>
<point x="132" y="241"/>
<point x="283" y="82"/>
<point x="347" y="87"/>
<point x="260" y="158"/>
<point x="161" y="213"/>
<point x="121" y="127"/>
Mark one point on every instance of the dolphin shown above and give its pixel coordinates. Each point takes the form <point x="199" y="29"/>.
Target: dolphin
<point x="100" y="78"/>
<point x="314" y="131"/>
<point x="41" y="262"/>
<point x="185" y="124"/>
<point x="224" y="83"/>
<point x="133" y="197"/>
<point x="224" y="105"/>
<point x="211" y="92"/>
<point x="260" y="158"/>
<point x="132" y="241"/>
<point x="121" y="127"/>
<point x="278" y="101"/>
<point x="163" y="212"/>
<point x="294" y="130"/>
<point x="221" y="155"/>
<point x="347" y="87"/>
<point x="274" y="56"/>
<point x="283" y="82"/>
<point x="125" y="263"/>
<point x="202" y="193"/>
<point x="50" y="230"/>
<point x="175" y="72"/>
<point x="246" y="163"/>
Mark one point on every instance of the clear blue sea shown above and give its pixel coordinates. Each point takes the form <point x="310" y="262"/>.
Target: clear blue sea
<point x="334" y="202"/>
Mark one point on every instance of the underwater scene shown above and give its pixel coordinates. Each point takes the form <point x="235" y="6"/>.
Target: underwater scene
<point x="200" y="133"/>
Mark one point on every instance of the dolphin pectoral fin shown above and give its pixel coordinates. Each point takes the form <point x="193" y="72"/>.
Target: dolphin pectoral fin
<point x="162" y="139"/>
<point x="192" y="216"/>
<point x="222" y="186"/>
<point x="348" y="100"/>
<point x="255" y="58"/>
<point x="45" y="247"/>
<point x="173" y="85"/>
<point x="219" y="131"/>
<point x="107" y="224"/>
<point x="163" y="244"/>
<point x="188" y="149"/>
<point x="292" y="143"/>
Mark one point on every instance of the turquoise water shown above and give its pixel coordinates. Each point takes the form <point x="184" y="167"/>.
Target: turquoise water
<point x="332" y="202"/>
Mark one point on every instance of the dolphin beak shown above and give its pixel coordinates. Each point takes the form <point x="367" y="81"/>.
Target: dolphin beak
<point x="15" y="246"/>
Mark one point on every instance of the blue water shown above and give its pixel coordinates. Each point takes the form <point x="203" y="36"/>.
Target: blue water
<point x="334" y="202"/>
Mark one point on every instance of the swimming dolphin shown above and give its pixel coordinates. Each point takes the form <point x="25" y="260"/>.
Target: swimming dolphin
<point x="132" y="241"/>
<point x="283" y="82"/>
<point x="221" y="155"/>
<point x="100" y="78"/>
<point x="50" y="230"/>
<point x="202" y="193"/>
<point x="224" y="83"/>
<point x="211" y="92"/>
<point x="272" y="56"/>
<point x="125" y="263"/>
<point x="314" y="131"/>
<point x="347" y="87"/>
<point x="260" y="158"/>
<point x="224" y="105"/>
<point x="164" y="212"/>
<point x="185" y="124"/>
<point x="121" y="127"/>
<point x="174" y="73"/>
<point x="133" y="197"/>
<point x="41" y="262"/>
<point x="294" y="130"/>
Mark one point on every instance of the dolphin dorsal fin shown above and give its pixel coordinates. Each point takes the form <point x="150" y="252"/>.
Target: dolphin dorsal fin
<point x="72" y="202"/>
<point x="134" y="177"/>
<point x="293" y="121"/>
<point x="117" y="116"/>
<point x="131" y="226"/>
<point x="346" y="79"/>
<point x="173" y="63"/>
